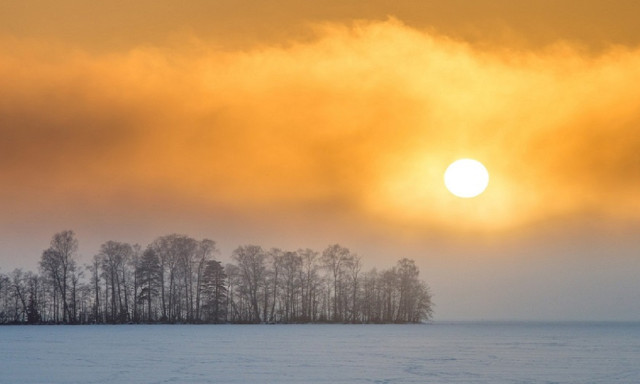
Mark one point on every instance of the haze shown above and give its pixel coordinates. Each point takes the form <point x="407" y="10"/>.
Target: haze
<point x="282" y="124"/>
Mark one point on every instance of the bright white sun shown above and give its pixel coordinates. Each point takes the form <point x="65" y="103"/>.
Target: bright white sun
<point x="466" y="178"/>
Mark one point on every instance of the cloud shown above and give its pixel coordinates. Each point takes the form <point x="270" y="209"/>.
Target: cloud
<point x="362" y="120"/>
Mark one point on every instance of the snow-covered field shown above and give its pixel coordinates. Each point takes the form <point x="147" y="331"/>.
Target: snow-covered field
<point x="433" y="353"/>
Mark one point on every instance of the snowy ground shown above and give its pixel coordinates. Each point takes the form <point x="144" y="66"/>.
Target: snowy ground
<point x="434" y="353"/>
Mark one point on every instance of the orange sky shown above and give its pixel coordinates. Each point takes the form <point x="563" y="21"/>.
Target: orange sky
<point x="292" y="126"/>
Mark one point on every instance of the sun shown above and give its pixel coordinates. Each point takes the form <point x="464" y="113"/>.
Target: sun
<point x="466" y="178"/>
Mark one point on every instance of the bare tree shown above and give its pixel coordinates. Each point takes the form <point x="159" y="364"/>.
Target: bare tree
<point x="291" y="266"/>
<point x="310" y="282"/>
<point x="251" y="264"/>
<point x="58" y="263"/>
<point x="388" y="286"/>
<point x="272" y="283"/>
<point x="176" y="279"/>
<point x="370" y="299"/>
<point x="113" y="258"/>
<point x="354" y="265"/>
<point x="164" y="247"/>
<point x="20" y="296"/>
<point x="335" y="258"/>
<point x="94" y="269"/>
<point x="234" y="310"/>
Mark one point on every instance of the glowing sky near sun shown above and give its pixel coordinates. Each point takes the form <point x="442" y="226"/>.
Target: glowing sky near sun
<point x="336" y="123"/>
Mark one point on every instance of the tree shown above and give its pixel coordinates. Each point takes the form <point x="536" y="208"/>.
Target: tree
<point x="414" y="303"/>
<point x="251" y="264"/>
<point x="58" y="263"/>
<point x="149" y="275"/>
<point x="354" y="265"/>
<point x="206" y="249"/>
<point x="370" y="305"/>
<point x="94" y="269"/>
<point x="75" y="285"/>
<point x="310" y="282"/>
<point x="134" y="262"/>
<point x="19" y="295"/>
<point x="291" y="267"/>
<point x="186" y="249"/>
<point x="177" y="254"/>
<point x="271" y="284"/>
<point x="176" y="279"/>
<point x="214" y="292"/>
<point x="5" y="284"/>
<point x="33" y="287"/>
<point x="234" y="309"/>
<point x="114" y="257"/>
<point x="334" y="258"/>
<point x="388" y="287"/>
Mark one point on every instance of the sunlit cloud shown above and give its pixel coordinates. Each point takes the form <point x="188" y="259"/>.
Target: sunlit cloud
<point x="364" y="119"/>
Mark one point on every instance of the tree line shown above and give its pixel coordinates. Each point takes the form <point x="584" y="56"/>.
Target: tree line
<point x="177" y="279"/>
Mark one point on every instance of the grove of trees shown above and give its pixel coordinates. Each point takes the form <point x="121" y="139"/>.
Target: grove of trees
<point x="177" y="279"/>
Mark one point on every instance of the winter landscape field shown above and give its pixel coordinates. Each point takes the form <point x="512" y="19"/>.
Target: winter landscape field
<point x="427" y="353"/>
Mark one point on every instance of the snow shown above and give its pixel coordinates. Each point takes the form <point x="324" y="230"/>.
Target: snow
<point x="430" y="353"/>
